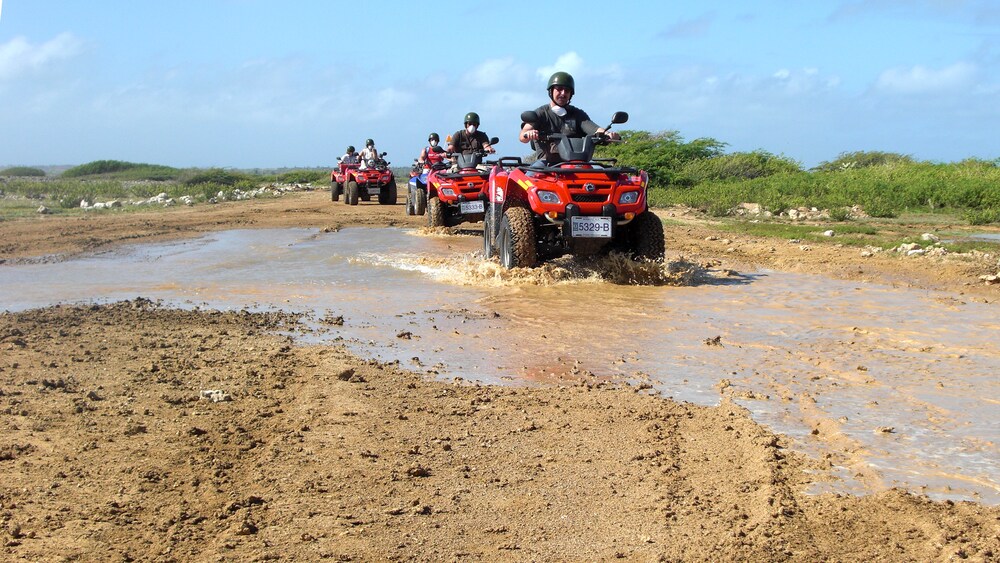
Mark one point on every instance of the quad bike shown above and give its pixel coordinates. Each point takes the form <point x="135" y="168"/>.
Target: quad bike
<point x="339" y="177"/>
<point x="416" y="187"/>
<point x="580" y="206"/>
<point x="457" y="197"/>
<point x="356" y="183"/>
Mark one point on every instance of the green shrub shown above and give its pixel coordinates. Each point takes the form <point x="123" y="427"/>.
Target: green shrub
<point x="304" y="176"/>
<point x="22" y="171"/>
<point x="123" y="171"/>
<point x="840" y="214"/>
<point x="214" y="176"/>
<point x="982" y="216"/>
<point x="662" y="155"/>
<point x="738" y="166"/>
<point x="863" y="159"/>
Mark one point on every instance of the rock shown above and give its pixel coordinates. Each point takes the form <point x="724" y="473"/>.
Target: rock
<point x="216" y="395"/>
<point x="828" y="233"/>
<point x="930" y="237"/>
<point x="42" y="210"/>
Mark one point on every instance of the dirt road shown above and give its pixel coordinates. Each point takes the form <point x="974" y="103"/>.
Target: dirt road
<point x="137" y="432"/>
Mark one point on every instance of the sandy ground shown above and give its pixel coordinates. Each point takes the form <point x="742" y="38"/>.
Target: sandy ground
<point x="112" y="446"/>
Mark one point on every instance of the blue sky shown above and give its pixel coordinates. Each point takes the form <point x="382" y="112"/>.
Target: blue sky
<point x="254" y="83"/>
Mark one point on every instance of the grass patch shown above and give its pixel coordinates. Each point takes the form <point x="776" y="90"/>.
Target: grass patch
<point x="859" y="235"/>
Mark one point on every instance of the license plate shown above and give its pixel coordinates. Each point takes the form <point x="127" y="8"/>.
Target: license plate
<point x="472" y="207"/>
<point x="374" y="191"/>
<point x="591" y="227"/>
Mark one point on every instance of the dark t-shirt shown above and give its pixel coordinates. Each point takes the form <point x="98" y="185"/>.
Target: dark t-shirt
<point x="465" y="143"/>
<point x="576" y="123"/>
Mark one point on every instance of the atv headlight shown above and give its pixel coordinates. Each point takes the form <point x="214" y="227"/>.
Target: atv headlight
<point x="548" y="197"/>
<point x="628" y="197"/>
<point x="448" y="192"/>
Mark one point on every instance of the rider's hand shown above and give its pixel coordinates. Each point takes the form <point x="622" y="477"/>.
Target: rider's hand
<point x="530" y="135"/>
<point x="489" y="149"/>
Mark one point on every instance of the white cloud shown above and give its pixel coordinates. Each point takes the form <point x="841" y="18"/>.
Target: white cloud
<point x="495" y="73"/>
<point x="920" y="79"/>
<point x="570" y="62"/>
<point x="18" y="56"/>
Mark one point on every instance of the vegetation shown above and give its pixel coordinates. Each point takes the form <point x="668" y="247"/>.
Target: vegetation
<point x="863" y="159"/>
<point x="22" y="171"/>
<point x="884" y="185"/>
<point x="107" y="180"/>
<point x="694" y="173"/>
<point x="120" y="170"/>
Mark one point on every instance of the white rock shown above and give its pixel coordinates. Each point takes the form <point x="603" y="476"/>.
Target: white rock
<point x="43" y="210"/>
<point x="84" y="204"/>
<point x="916" y="252"/>
<point x="216" y="395"/>
<point x="828" y="233"/>
<point x="931" y="237"/>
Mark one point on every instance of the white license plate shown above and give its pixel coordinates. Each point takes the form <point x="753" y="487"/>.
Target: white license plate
<point x="374" y="191"/>
<point x="591" y="227"/>
<point x="472" y="207"/>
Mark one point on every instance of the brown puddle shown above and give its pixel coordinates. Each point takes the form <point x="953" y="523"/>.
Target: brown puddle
<point x="895" y="387"/>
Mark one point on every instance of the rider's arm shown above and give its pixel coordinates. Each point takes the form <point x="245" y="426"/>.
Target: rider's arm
<point x="528" y="133"/>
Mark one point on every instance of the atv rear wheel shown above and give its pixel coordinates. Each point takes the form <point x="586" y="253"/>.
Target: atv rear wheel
<point x="388" y="194"/>
<point x="351" y="195"/>
<point x="647" y="237"/>
<point x="435" y="213"/>
<point x="516" y="241"/>
<point x="419" y="201"/>
<point x="335" y="191"/>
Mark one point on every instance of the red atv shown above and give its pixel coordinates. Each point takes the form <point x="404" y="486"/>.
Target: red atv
<point x="375" y="179"/>
<point x="340" y="176"/>
<point x="580" y="206"/>
<point x="457" y="197"/>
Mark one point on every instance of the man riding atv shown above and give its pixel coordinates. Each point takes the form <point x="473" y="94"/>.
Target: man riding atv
<point x="469" y="140"/>
<point x="558" y="116"/>
<point x="567" y="201"/>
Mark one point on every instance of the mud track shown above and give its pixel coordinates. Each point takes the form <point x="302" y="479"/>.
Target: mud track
<point x="132" y="431"/>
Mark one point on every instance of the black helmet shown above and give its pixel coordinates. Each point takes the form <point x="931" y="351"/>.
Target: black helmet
<point x="433" y="137"/>
<point x="350" y="149"/>
<point x="562" y="79"/>
<point x="369" y="143"/>
<point x="473" y="118"/>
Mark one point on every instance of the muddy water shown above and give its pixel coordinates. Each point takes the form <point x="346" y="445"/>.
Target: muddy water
<point x="894" y="387"/>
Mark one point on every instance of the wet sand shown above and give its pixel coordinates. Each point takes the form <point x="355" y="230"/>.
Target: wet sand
<point x="111" y="450"/>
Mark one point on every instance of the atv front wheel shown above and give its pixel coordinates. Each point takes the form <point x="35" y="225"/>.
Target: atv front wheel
<point x="351" y="195"/>
<point x="409" y="202"/>
<point x="647" y="237"/>
<point x="419" y="201"/>
<point x="335" y="191"/>
<point x="516" y="241"/>
<point x="435" y="213"/>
